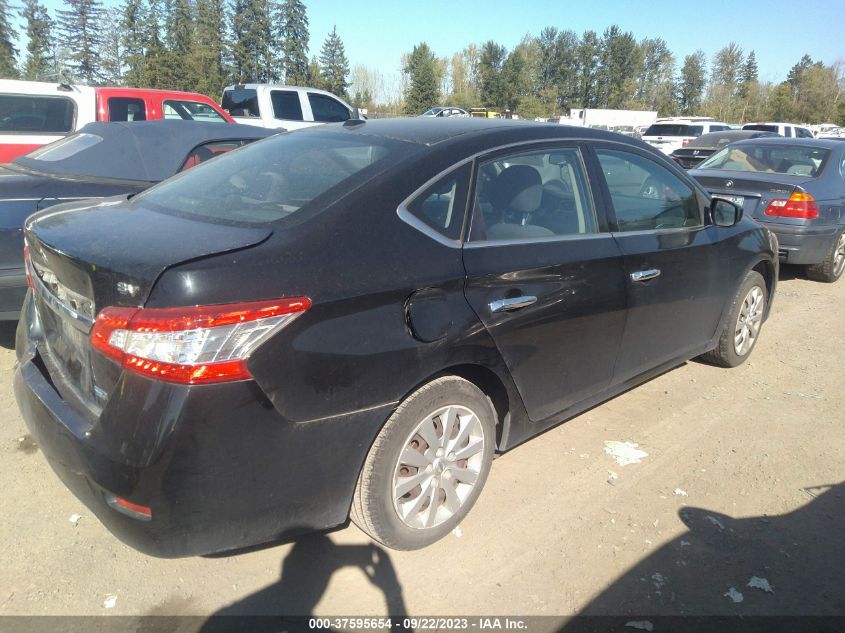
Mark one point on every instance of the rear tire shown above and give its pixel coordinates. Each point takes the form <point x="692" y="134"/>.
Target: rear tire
<point x="427" y="466"/>
<point x="742" y="327"/>
<point x="833" y="266"/>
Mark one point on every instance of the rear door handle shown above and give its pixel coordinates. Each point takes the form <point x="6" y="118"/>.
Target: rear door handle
<point x="645" y="275"/>
<point x="512" y="303"/>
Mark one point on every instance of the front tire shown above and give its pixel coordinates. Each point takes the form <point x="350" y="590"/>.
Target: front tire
<point x="833" y="266"/>
<point x="427" y="466"/>
<point x="742" y="327"/>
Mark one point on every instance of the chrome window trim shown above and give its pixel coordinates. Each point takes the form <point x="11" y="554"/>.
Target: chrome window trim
<point x="539" y="240"/>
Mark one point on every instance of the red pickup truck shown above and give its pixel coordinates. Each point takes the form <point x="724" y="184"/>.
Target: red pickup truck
<point x="35" y="113"/>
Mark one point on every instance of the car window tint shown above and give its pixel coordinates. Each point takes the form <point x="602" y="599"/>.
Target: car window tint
<point x="647" y="196"/>
<point x="801" y="132"/>
<point x="442" y="206"/>
<point x="208" y="151"/>
<point x="772" y="159"/>
<point x="327" y="110"/>
<point x="273" y="179"/>
<point x="241" y="102"/>
<point x="191" y="111"/>
<point x="533" y="195"/>
<point x="127" y="109"/>
<point x="22" y="114"/>
<point x="286" y="105"/>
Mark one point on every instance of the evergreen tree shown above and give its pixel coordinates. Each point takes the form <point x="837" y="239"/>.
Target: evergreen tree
<point x="111" y="49"/>
<point x="621" y="63"/>
<point x="208" y="56"/>
<point x="424" y="85"/>
<point x="80" y="30"/>
<point x="133" y="41"/>
<point x="293" y="37"/>
<point x="314" y="75"/>
<point x="253" y="42"/>
<point x="8" y="52"/>
<point x="749" y="70"/>
<point x="334" y="65"/>
<point x="38" y="64"/>
<point x="490" y="63"/>
<point x="692" y="82"/>
<point x="178" y="38"/>
<point x="156" y="64"/>
<point x="794" y="76"/>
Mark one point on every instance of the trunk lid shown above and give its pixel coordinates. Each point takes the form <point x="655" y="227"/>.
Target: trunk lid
<point x="86" y="257"/>
<point x="753" y="191"/>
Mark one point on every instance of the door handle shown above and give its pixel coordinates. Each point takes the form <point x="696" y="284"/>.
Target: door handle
<point x="645" y="275"/>
<point x="512" y="303"/>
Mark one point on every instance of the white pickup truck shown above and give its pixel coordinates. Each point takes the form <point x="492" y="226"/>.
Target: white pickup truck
<point x="288" y="107"/>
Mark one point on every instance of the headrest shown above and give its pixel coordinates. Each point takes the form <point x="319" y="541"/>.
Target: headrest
<point x="518" y="188"/>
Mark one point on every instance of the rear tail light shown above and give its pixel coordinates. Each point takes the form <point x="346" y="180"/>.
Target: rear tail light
<point x="799" y="205"/>
<point x="142" y="513"/>
<point x="192" y="345"/>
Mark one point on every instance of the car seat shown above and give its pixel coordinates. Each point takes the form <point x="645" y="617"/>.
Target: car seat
<point x="515" y="195"/>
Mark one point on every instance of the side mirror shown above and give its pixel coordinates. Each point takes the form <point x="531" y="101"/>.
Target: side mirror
<point x="724" y="212"/>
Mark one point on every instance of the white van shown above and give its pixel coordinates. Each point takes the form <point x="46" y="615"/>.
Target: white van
<point x="673" y="133"/>
<point x="288" y="107"/>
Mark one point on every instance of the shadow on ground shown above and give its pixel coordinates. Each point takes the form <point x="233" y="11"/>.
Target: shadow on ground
<point x="7" y="334"/>
<point x="797" y="558"/>
<point x="305" y="575"/>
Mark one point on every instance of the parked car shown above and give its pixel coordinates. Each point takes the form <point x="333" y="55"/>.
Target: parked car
<point x="324" y="320"/>
<point x="784" y="129"/>
<point x="99" y="161"/>
<point x="795" y="187"/>
<point x="445" y="112"/>
<point x="34" y="113"/>
<point x="287" y="107"/>
<point x="706" y="145"/>
<point x="673" y="133"/>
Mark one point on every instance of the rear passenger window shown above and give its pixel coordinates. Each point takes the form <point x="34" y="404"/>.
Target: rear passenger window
<point x="646" y="196"/>
<point x="533" y="195"/>
<point x="327" y="110"/>
<point x="127" y="109"/>
<point x="21" y="114"/>
<point x="286" y="105"/>
<point x="442" y="206"/>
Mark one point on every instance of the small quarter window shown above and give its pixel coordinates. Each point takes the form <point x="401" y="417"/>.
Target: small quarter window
<point x="533" y="195"/>
<point x="646" y="196"/>
<point x="442" y="206"/>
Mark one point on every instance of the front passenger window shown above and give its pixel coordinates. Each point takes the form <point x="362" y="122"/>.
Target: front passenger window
<point x="646" y="196"/>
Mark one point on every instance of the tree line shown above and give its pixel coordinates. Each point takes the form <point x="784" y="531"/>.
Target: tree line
<point x="545" y="75"/>
<point x="203" y="45"/>
<point x="196" y="45"/>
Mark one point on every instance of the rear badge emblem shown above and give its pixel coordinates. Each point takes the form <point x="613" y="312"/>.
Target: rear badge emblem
<point x="127" y="289"/>
<point x="729" y="184"/>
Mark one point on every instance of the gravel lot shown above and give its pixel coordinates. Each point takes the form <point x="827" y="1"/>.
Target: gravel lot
<point x="743" y="478"/>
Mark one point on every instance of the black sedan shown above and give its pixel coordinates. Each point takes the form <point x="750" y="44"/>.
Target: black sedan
<point x="796" y="188"/>
<point x="353" y="319"/>
<point x="703" y="147"/>
<point x="102" y="159"/>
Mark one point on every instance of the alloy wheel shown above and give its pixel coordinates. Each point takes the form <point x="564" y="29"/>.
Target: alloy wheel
<point x="438" y="467"/>
<point x="749" y="321"/>
<point x="839" y="256"/>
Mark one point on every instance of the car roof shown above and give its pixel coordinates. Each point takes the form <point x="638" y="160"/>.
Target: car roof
<point x="430" y="132"/>
<point x="822" y="143"/>
<point x="16" y="86"/>
<point x="119" y="90"/>
<point x="147" y="151"/>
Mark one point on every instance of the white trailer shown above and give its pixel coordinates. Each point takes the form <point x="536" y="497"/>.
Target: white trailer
<point x="609" y="119"/>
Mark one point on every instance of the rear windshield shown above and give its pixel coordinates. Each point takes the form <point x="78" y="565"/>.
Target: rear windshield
<point x="674" y="129"/>
<point x="272" y="179"/>
<point x="772" y="159"/>
<point x="241" y="102"/>
<point x="21" y="114"/>
<point x="760" y="127"/>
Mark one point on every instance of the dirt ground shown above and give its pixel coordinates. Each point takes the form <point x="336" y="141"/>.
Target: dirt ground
<point x="744" y="478"/>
